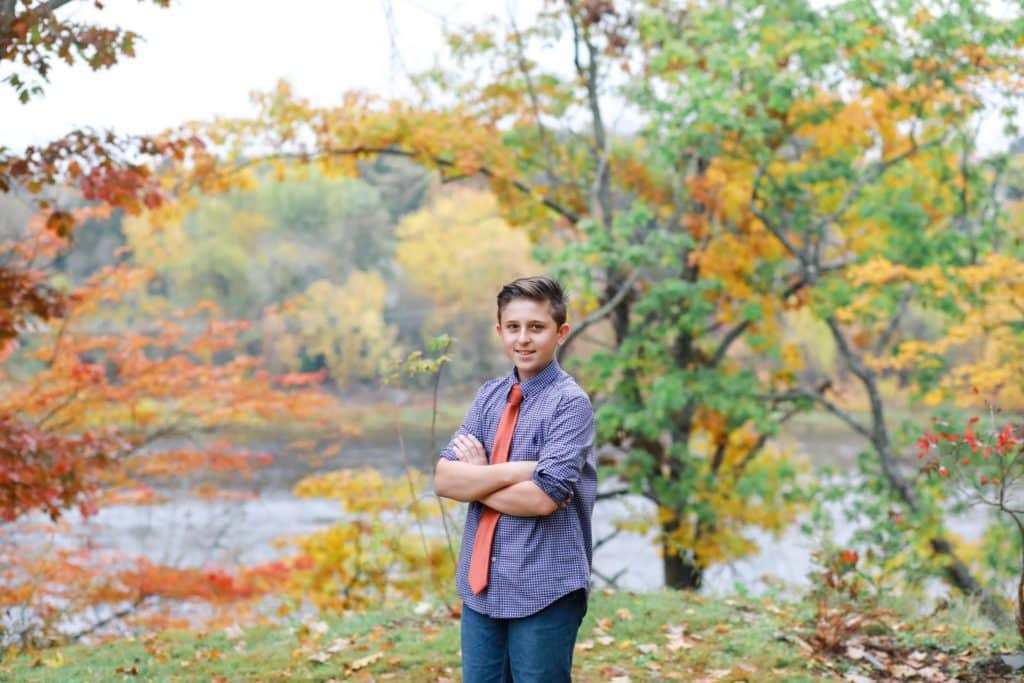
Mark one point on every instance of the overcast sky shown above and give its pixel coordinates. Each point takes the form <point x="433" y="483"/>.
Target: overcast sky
<point x="202" y="58"/>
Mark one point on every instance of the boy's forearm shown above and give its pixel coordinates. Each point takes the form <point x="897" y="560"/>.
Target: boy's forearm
<point x="465" y="482"/>
<point x="523" y="499"/>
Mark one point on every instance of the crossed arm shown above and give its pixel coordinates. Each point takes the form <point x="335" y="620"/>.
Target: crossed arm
<point x="505" y="487"/>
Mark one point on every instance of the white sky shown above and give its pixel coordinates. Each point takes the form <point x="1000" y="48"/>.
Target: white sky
<point x="202" y="58"/>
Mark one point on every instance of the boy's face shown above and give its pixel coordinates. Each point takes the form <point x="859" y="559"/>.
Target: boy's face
<point x="530" y="335"/>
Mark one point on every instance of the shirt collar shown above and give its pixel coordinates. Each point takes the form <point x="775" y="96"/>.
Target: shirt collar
<point x="538" y="381"/>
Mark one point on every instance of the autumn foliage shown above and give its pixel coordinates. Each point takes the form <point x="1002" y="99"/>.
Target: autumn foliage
<point x="794" y="171"/>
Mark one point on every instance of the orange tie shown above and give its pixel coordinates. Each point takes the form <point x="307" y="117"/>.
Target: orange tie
<point x="480" y="562"/>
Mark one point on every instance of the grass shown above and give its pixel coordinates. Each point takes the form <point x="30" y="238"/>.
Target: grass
<point x="637" y="637"/>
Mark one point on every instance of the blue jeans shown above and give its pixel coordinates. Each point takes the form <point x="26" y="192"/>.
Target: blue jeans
<point x="533" y="649"/>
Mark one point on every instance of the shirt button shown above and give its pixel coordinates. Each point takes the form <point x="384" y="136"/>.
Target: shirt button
<point x="494" y="558"/>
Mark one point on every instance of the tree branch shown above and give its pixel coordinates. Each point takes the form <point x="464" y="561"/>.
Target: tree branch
<point x="525" y="189"/>
<point x="614" y="493"/>
<point x="588" y="75"/>
<point x="602" y="312"/>
<point x="531" y="91"/>
<point x="730" y="337"/>
<point x="871" y="175"/>
<point x="600" y="542"/>
<point x="761" y="216"/>
<point x="894" y="324"/>
<point x="819" y="398"/>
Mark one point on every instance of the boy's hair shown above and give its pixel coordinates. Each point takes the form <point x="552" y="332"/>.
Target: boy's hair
<point x="537" y="288"/>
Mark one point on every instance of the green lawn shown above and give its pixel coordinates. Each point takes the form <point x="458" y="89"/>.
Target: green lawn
<point x="625" y="637"/>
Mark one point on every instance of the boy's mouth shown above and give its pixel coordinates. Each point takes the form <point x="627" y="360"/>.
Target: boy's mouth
<point x="524" y="354"/>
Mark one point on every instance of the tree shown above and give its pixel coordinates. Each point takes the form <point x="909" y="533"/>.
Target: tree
<point x="850" y="136"/>
<point x="337" y="328"/>
<point x="449" y="253"/>
<point x="105" y="389"/>
<point x="102" y="408"/>
<point x="103" y="166"/>
<point x="618" y="218"/>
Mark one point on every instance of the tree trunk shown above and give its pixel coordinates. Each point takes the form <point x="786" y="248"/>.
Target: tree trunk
<point x="681" y="572"/>
<point x="959" y="574"/>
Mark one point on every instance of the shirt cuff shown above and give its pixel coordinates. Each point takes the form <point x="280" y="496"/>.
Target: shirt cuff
<point x="555" y="489"/>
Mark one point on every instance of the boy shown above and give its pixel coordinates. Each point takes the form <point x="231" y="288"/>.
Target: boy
<point x="524" y="461"/>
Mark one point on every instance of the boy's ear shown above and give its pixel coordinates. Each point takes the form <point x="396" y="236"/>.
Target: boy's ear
<point x="563" y="332"/>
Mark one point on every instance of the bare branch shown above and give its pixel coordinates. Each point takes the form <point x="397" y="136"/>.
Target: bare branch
<point x="113" y="616"/>
<point x="602" y="312"/>
<point x="894" y="324"/>
<point x="730" y="337"/>
<point x="589" y="76"/>
<point x="614" y="493"/>
<point x="611" y="581"/>
<point x="761" y="216"/>
<point x="531" y="91"/>
<point x="819" y="398"/>
<point x="610" y="537"/>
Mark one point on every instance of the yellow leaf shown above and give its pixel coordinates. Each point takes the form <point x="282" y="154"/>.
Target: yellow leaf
<point x="364" y="662"/>
<point x="56" y="661"/>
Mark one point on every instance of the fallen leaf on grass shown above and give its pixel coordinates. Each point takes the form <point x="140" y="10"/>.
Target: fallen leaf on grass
<point x="798" y="641"/>
<point x="612" y="671"/>
<point x="605" y="640"/>
<point x="56" y="661"/>
<point x="902" y="671"/>
<point x="855" y="677"/>
<point x="647" y="648"/>
<point x="585" y="645"/>
<point x="679" y="643"/>
<point x="623" y="613"/>
<point x="722" y="628"/>
<point x="339" y="644"/>
<point x="128" y="671"/>
<point x="747" y="668"/>
<point x="336" y="646"/>
<point x="364" y="662"/>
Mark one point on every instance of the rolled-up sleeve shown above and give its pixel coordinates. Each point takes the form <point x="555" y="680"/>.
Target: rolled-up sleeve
<point x="472" y="424"/>
<point x="567" y="445"/>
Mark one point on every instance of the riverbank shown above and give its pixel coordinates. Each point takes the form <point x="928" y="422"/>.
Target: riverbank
<point x="658" y="636"/>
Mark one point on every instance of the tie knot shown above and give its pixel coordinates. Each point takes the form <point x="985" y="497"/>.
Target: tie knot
<point x="515" y="397"/>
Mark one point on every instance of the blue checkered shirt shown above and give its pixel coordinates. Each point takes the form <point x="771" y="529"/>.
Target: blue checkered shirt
<point x="535" y="560"/>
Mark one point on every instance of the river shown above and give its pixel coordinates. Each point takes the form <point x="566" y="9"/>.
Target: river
<point x="188" y="532"/>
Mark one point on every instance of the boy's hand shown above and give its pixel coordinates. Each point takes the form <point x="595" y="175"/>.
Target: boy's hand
<point x="469" y="449"/>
